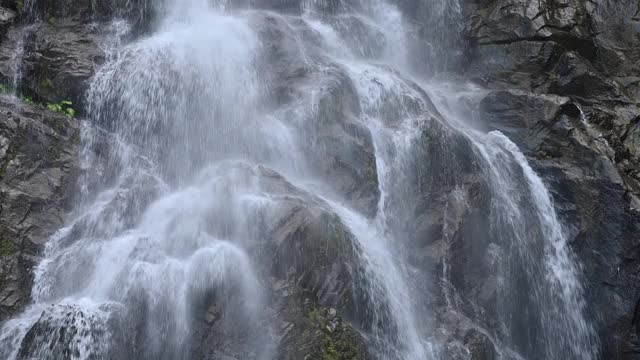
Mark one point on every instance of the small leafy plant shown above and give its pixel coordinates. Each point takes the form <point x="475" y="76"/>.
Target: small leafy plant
<point x="63" y="107"/>
<point x="28" y="100"/>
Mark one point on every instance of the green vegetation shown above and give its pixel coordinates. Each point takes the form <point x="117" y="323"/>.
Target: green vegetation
<point x="370" y="173"/>
<point x="7" y="248"/>
<point x="52" y="20"/>
<point x="47" y="83"/>
<point x="63" y="107"/>
<point x="339" y="342"/>
<point x="316" y="317"/>
<point x="28" y="100"/>
<point x="20" y="6"/>
<point x="341" y="346"/>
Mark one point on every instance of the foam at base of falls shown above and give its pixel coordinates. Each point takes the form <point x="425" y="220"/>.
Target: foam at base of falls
<point x="76" y="328"/>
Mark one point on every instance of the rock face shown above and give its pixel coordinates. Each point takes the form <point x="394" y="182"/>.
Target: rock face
<point x="39" y="162"/>
<point x="565" y="80"/>
<point x="341" y="147"/>
<point x="314" y="278"/>
<point x="57" y="59"/>
<point x="560" y="78"/>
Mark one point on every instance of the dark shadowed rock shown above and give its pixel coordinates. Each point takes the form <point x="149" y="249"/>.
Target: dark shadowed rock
<point x="69" y="331"/>
<point x="583" y="142"/>
<point x="139" y="13"/>
<point x="58" y="59"/>
<point x="7" y="18"/>
<point x="590" y="192"/>
<point x="38" y="165"/>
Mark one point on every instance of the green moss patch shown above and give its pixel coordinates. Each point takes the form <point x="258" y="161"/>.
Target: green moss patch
<point x="339" y="341"/>
<point x="7" y="247"/>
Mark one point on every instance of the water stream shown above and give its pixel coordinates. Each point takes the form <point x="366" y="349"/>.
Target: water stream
<point x="200" y="160"/>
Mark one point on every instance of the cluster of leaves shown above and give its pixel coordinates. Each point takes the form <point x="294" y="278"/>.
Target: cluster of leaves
<point x="63" y="107"/>
<point x="7" y="248"/>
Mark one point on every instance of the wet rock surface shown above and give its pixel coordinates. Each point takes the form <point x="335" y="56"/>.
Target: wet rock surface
<point x="57" y="59"/>
<point x="340" y="147"/>
<point x="312" y="285"/>
<point x="565" y="75"/>
<point x="314" y="271"/>
<point x="39" y="164"/>
<point x="562" y="82"/>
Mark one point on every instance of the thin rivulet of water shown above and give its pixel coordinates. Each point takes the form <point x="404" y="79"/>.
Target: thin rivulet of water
<point x="168" y="214"/>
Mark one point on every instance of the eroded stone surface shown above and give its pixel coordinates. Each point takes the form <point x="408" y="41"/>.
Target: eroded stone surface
<point x="38" y="165"/>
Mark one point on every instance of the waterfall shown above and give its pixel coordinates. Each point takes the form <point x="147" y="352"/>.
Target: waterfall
<point x="210" y="149"/>
<point x="541" y="304"/>
<point x="139" y="245"/>
<point x="30" y="19"/>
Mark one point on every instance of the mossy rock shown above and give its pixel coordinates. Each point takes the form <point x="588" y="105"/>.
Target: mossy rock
<point x="319" y="253"/>
<point x="319" y="333"/>
<point x="339" y="341"/>
<point x="7" y="247"/>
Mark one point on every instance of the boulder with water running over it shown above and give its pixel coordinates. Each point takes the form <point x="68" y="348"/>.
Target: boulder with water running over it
<point x="315" y="280"/>
<point x="563" y="85"/>
<point x="570" y="69"/>
<point x="321" y="102"/>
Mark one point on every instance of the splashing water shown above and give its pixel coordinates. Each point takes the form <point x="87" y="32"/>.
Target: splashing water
<point x="200" y="167"/>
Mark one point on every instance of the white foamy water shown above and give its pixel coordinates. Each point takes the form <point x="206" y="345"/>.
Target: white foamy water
<point x="198" y="168"/>
<point x="164" y="101"/>
<point x="524" y="214"/>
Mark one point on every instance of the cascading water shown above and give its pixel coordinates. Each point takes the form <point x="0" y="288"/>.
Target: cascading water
<point x="100" y="269"/>
<point x="207" y="155"/>
<point x="30" y="17"/>
<point x="539" y="304"/>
